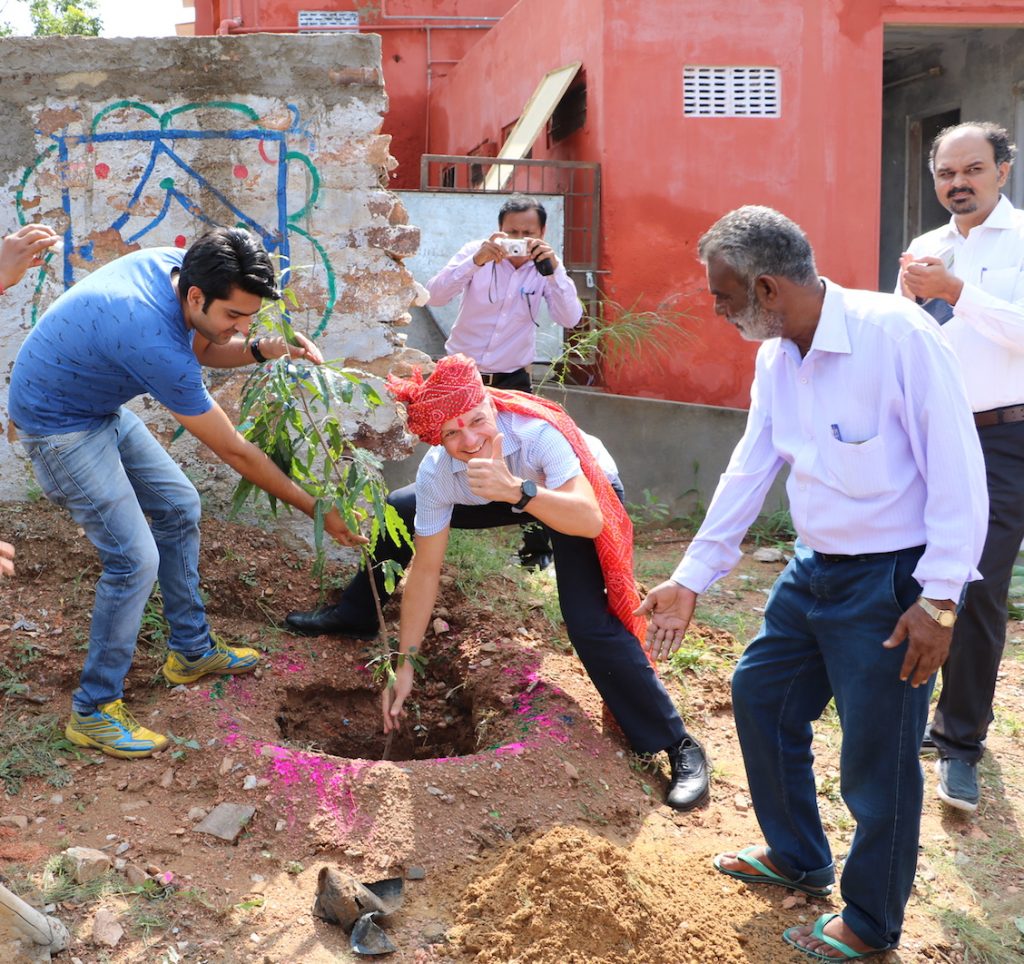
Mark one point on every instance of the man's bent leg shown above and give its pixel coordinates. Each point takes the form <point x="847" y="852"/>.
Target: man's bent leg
<point x="355" y="613"/>
<point x="859" y="603"/>
<point x="82" y="472"/>
<point x="779" y="687"/>
<point x="613" y="657"/>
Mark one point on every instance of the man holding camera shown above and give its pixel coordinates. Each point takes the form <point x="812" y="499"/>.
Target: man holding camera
<point x="502" y="281"/>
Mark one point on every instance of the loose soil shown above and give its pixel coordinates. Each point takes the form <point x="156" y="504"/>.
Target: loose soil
<point x="524" y="828"/>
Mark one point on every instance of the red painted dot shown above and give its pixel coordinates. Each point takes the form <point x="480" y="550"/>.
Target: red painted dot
<point x="179" y="241"/>
<point x="241" y="171"/>
<point x="102" y="171"/>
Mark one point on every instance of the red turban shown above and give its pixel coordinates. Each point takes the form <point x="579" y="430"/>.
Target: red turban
<point x="453" y="389"/>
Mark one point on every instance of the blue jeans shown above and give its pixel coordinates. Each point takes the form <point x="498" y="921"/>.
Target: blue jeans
<point x="822" y="636"/>
<point x="110" y="478"/>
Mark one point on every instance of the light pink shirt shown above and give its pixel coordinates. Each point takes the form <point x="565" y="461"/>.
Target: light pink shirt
<point x="883" y="453"/>
<point x="497" y="321"/>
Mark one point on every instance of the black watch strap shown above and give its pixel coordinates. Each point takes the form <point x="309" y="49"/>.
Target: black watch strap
<point x="529" y="490"/>
<point x="254" y="347"/>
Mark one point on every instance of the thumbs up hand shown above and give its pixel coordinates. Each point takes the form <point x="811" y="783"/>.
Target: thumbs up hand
<point x="490" y="478"/>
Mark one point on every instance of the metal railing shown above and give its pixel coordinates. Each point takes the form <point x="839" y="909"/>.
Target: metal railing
<point x="579" y="182"/>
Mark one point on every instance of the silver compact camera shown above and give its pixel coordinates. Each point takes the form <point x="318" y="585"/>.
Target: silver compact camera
<point x="515" y="247"/>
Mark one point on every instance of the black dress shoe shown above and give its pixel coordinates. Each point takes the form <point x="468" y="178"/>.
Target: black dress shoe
<point x="689" y="785"/>
<point x="536" y="560"/>
<point x="326" y="621"/>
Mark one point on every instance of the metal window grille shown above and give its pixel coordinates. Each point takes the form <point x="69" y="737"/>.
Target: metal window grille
<point x="732" y="92"/>
<point x="328" y="21"/>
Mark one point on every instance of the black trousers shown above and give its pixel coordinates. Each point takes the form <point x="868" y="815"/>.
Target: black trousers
<point x="612" y="656"/>
<point x="964" y="710"/>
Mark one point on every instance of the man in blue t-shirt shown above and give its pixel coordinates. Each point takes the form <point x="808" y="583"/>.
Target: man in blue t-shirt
<point x="146" y="323"/>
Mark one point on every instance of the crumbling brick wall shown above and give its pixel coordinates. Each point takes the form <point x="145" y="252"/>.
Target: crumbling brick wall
<point x="121" y="144"/>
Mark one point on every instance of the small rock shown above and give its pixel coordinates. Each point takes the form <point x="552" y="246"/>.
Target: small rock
<point x="120" y="864"/>
<point x="767" y="554"/>
<point x="15" y="821"/>
<point x="281" y="825"/>
<point x="106" y="929"/>
<point x="85" y="864"/>
<point x="415" y="873"/>
<point x="794" y="900"/>
<point x="179" y="832"/>
<point x="196" y="813"/>
<point x="741" y="803"/>
<point x="257" y="878"/>
<point x="262" y="783"/>
<point x="433" y="931"/>
<point x="440" y="627"/>
<point x="225" y="766"/>
<point x="136" y="876"/>
<point x="226" y="821"/>
<point x="489" y="648"/>
<point x="122" y="848"/>
<point x="435" y="791"/>
<point x="249" y="783"/>
<point x="573" y="773"/>
<point x="167" y="777"/>
<point x="153" y="870"/>
<point x="57" y="799"/>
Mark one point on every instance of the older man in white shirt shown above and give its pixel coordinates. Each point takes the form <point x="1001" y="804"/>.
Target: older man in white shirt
<point x="861" y="396"/>
<point x="968" y="275"/>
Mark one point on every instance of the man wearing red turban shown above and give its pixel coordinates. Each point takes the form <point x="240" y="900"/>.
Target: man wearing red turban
<point x="494" y="456"/>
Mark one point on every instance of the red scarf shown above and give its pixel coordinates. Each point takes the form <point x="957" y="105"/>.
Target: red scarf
<point x="615" y="542"/>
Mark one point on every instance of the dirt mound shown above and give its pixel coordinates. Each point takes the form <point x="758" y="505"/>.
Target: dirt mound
<point x="568" y="895"/>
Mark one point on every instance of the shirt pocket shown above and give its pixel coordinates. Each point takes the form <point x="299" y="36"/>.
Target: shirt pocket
<point x="857" y="469"/>
<point x="1000" y="282"/>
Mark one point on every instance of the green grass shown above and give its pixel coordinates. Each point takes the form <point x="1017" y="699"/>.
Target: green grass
<point x="31" y="745"/>
<point x="984" y="944"/>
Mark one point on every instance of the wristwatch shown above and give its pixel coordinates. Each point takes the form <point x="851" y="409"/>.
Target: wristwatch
<point x="529" y="490"/>
<point x="944" y="617"/>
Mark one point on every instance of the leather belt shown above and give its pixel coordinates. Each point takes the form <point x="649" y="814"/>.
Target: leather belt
<point x="862" y="557"/>
<point x="998" y="416"/>
<point x="490" y="378"/>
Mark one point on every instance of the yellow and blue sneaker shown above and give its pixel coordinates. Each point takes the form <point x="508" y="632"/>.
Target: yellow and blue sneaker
<point x="114" y="731"/>
<point x="221" y="659"/>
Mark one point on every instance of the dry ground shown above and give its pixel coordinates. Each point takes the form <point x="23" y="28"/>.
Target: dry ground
<point x="538" y="837"/>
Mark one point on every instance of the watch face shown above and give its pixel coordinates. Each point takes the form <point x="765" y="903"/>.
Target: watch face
<point x="947" y="618"/>
<point x="529" y="488"/>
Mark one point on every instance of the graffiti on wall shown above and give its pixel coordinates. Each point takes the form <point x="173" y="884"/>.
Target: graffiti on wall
<point x="136" y="176"/>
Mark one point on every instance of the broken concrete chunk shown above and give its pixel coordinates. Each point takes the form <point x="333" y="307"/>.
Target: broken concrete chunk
<point x="227" y="820"/>
<point x="106" y="929"/>
<point x="85" y="864"/>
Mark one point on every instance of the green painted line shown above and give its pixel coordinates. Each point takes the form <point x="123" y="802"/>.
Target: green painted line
<point x="332" y="288"/>
<point x="20" y="193"/>
<point x="166" y="118"/>
<point x="121" y="105"/>
<point x="314" y="193"/>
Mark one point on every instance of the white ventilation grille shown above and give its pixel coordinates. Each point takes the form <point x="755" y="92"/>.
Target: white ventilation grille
<point x="328" y="21"/>
<point x="732" y="92"/>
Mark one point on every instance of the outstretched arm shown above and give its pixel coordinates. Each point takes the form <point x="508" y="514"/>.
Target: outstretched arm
<point x="418" y="598"/>
<point x="214" y="429"/>
<point x="238" y="351"/>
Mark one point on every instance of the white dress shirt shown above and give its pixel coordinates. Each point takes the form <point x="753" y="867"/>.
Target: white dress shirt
<point x="533" y="449"/>
<point x="987" y="327"/>
<point x="882" y="449"/>
<point x="498" y="317"/>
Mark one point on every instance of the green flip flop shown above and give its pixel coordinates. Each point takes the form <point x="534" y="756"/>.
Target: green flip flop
<point x="818" y="932"/>
<point x="766" y="875"/>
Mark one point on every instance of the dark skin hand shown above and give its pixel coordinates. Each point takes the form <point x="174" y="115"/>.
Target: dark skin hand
<point x="929" y="642"/>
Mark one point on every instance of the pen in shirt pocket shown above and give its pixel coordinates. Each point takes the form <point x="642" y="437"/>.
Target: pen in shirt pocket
<point x="836" y="434"/>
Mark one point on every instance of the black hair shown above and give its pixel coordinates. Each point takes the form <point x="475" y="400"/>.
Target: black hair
<point x="523" y="202"/>
<point x="226" y="258"/>
<point x="1003" y="150"/>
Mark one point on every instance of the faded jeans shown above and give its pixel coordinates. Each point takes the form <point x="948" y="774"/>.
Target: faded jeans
<point x="110" y="478"/>
<point x="824" y="625"/>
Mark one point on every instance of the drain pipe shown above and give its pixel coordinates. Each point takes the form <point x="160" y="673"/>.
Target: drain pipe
<point x="224" y="28"/>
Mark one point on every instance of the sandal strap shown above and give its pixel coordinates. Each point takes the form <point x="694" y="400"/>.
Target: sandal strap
<point x="818" y="932"/>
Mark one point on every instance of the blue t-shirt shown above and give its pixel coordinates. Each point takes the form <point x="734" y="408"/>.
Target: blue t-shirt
<point x="116" y="334"/>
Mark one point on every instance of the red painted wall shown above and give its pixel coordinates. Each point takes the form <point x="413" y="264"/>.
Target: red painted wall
<point x="411" y="30"/>
<point x="665" y="177"/>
